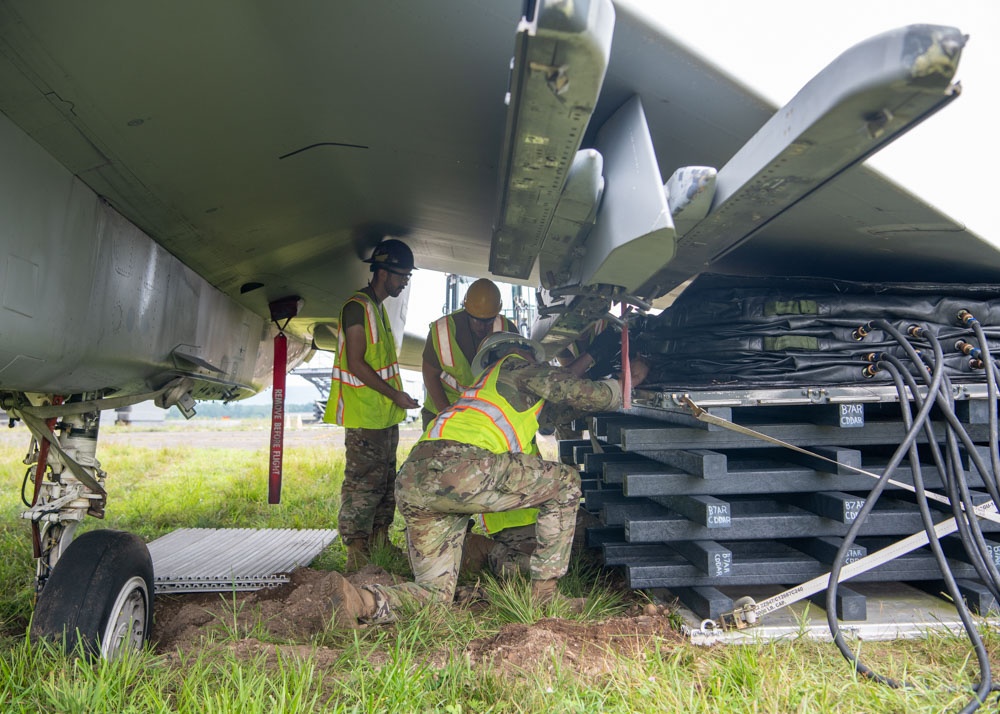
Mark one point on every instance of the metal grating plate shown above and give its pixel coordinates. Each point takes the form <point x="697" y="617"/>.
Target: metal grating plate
<point x="226" y="559"/>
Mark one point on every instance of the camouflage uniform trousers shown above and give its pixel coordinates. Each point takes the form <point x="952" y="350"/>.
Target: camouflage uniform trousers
<point x="511" y="552"/>
<point x="443" y="483"/>
<point x="367" y="498"/>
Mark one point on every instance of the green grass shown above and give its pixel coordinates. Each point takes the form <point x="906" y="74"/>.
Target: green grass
<point x="512" y="601"/>
<point x="419" y="663"/>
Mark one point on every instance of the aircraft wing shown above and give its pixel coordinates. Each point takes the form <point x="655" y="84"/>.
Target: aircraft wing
<point x="855" y="224"/>
<point x="267" y="147"/>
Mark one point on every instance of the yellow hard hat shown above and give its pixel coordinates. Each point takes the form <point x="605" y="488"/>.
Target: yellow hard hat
<point x="482" y="299"/>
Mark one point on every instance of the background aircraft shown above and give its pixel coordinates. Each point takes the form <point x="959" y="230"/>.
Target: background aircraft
<point x="175" y="177"/>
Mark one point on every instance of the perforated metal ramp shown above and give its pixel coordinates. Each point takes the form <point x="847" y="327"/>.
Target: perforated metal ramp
<point x="226" y="559"/>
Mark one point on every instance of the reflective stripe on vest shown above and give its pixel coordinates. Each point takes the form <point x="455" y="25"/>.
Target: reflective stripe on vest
<point x="386" y="373"/>
<point x="446" y="353"/>
<point x="482" y="417"/>
<point x="451" y="382"/>
<point x="371" y="322"/>
<point x="456" y="372"/>
<point x="351" y="403"/>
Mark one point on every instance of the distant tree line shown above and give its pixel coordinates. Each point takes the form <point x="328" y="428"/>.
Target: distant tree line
<point x="235" y="410"/>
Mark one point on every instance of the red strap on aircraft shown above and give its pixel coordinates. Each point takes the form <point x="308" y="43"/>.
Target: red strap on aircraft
<point x="626" y="366"/>
<point x="40" y="465"/>
<point x="277" y="418"/>
<point x="43" y="453"/>
<point x="284" y="309"/>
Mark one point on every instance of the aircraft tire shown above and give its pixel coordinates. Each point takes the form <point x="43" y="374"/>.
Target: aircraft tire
<point x="99" y="596"/>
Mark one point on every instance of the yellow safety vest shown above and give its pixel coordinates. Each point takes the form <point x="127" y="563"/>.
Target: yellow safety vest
<point x="352" y="403"/>
<point x="482" y="417"/>
<point x="496" y="522"/>
<point x="456" y="372"/>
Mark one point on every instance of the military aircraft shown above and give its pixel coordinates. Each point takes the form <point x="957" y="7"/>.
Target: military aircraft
<point x="184" y="184"/>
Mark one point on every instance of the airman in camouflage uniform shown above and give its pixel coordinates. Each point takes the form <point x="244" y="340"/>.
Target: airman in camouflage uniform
<point x="508" y="551"/>
<point x="367" y="399"/>
<point x="444" y="481"/>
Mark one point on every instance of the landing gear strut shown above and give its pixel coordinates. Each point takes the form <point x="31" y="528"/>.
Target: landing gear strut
<point x="94" y="592"/>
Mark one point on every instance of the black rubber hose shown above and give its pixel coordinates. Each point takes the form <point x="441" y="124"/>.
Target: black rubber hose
<point x="935" y="395"/>
<point x="852" y="532"/>
<point x="957" y="487"/>
<point x="949" y="579"/>
<point x="991" y="388"/>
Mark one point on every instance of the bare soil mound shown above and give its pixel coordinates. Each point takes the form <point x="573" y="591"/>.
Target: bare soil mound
<point x="248" y="624"/>
<point x="587" y="648"/>
<point x="291" y="612"/>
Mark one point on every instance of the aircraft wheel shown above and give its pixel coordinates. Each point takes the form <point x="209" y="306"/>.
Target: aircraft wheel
<point x="100" y="595"/>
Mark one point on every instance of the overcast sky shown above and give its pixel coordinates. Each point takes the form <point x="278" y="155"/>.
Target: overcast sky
<point x="776" y="46"/>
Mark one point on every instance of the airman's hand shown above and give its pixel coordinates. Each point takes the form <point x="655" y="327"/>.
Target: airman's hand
<point x="639" y="370"/>
<point x="405" y="401"/>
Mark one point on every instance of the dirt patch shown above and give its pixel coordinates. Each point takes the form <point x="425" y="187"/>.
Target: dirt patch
<point x="293" y="612"/>
<point x="587" y="648"/>
<point x="249" y="624"/>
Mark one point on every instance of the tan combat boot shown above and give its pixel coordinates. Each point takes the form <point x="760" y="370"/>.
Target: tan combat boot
<point x="357" y="555"/>
<point x="475" y="554"/>
<point x="546" y="592"/>
<point x="350" y="603"/>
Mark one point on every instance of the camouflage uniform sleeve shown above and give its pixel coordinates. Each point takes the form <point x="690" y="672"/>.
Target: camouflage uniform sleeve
<point x="559" y="387"/>
<point x="555" y="414"/>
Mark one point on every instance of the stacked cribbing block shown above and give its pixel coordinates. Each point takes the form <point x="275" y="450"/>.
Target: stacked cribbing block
<point x="694" y="507"/>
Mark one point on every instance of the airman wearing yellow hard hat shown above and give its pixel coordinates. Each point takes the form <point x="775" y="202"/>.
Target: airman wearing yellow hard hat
<point x="451" y="345"/>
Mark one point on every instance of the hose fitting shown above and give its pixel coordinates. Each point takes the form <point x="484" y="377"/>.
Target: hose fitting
<point x="968" y="349"/>
<point x="862" y="331"/>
